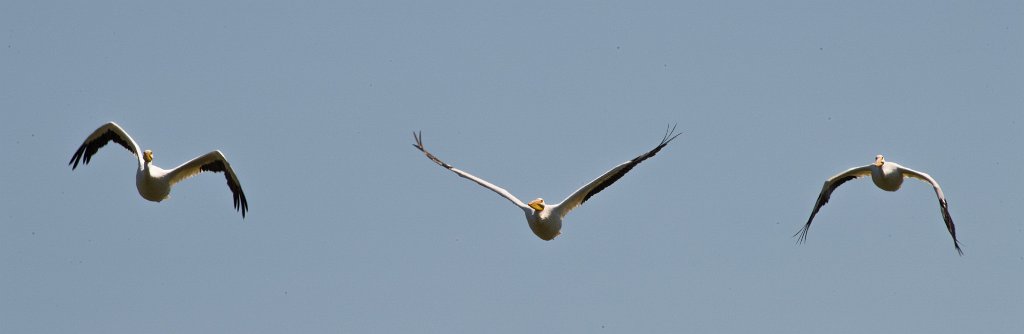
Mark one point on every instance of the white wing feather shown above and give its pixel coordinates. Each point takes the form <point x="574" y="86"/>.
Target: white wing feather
<point x="500" y="191"/>
<point x="99" y="138"/>
<point x="942" y="202"/>
<point x="211" y="162"/>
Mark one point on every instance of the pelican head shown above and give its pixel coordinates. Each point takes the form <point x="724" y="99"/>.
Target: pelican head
<point x="537" y="204"/>
<point x="147" y="155"/>
<point x="879" y="160"/>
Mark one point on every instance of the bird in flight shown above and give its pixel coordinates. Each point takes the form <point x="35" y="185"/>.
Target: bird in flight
<point x="154" y="183"/>
<point x="546" y="219"/>
<point x="887" y="176"/>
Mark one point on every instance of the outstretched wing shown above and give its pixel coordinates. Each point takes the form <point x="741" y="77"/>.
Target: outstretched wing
<point x="106" y="133"/>
<point x="826" y="191"/>
<point x="504" y="193"/>
<point x="211" y="162"/>
<point x="584" y="193"/>
<point x="942" y="202"/>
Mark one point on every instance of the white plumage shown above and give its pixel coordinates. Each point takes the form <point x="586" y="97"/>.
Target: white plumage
<point x="546" y="219"/>
<point x="887" y="176"/>
<point x="154" y="183"/>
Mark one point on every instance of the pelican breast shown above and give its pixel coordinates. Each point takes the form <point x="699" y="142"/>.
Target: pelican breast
<point x="544" y="225"/>
<point x="150" y="184"/>
<point x="887" y="176"/>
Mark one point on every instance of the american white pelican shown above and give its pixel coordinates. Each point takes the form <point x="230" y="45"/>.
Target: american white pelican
<point x="546" y="219"/>
<point x="154" y="183"/>
<point x="889" y="177"/>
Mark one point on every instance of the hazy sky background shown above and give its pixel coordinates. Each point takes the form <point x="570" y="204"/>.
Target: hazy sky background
<point x="351" y="230"/>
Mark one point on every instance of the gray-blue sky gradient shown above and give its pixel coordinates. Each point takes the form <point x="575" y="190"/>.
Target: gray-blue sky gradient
<point x="352" y="230"/>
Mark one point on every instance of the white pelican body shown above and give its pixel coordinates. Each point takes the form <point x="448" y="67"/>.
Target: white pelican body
<point x="149" y="181"/>
<point x="542" y="223"/>
<point x="545" y="220"/>
<point x="887" y="176"/>
<point x="154" y="183"/>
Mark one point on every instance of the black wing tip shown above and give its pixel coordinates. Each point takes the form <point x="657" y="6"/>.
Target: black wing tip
<point x="419" y="145"/>
<point x="238" y="196"/>
<point x="801" y="235"/>
<point x="670" y="134"/>
<point x="956" y="244"/>
<point x="950" y="226"/>
<point x="74" y="160"/>
<point x="82" y="155"/>
<point x="418" y="136"/>
<point x="241" y="204"/>
<point x="90" y="147"/>
<point x="244" y="207"/>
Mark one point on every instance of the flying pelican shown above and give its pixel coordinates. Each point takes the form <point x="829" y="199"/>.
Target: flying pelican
<point x="154" y="183"/>
<point x="889" y="177"/>
<point x="546" y="219"/>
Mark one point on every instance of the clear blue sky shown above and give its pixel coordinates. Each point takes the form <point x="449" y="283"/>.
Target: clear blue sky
<point x="351" y="230"/>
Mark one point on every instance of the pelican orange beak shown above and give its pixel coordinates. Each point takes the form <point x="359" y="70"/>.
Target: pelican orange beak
<point x="879" y="160"/>
<point x="537" y="204"/>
